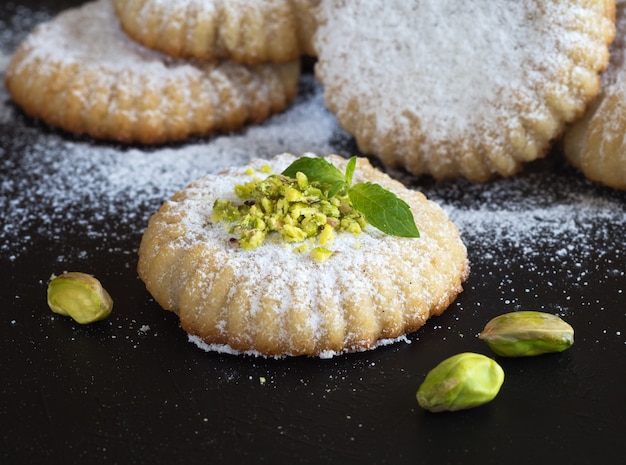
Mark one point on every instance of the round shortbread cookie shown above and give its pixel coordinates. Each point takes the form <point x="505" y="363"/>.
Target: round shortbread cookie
<point x="272" y="300"/>
<point x="596" y="144"/>
<point x="81" y="73"/>
<point x="453" y="89"/>
<point x="246" y="31"/>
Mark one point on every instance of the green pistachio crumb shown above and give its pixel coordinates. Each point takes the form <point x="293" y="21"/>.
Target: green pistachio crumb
<point x="301" y="248"/>
<point x="321" y="254"/>
<point x="293" y="207"/>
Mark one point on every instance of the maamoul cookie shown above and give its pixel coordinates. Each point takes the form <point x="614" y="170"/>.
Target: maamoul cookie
<point x="596" y="144"/>
<point x="275" y="299"/>
<point x="471" y="88"/>
<point x="81" y="73"/>
<point x="246" y="31"/>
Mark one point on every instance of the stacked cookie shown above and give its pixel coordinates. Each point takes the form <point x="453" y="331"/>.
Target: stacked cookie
<point x="261" y="31"/>
<point x="216" y="67"/>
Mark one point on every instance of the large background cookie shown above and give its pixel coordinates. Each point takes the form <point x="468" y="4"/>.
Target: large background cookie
<point x="81" y="73"/>
<point x="449" y="89"/>
<point x="274" y="301"/>
<point x="246" y="31"/>
<point x="596" y="144"/>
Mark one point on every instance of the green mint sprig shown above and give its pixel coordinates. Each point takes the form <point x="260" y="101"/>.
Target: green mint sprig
<point x="381" y="208"/>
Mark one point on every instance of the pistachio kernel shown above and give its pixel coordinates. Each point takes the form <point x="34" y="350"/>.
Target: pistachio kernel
<point x="527" y="333"/>
<point x="460" y="382"/>
<point x="80" y="296"/>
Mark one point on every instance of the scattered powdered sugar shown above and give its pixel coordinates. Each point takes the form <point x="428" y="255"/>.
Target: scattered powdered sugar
<point x="530" y="214"/>
<point x="16" y="24"/>
<point x="327" y="354"/>
<point x="61" y="178"/>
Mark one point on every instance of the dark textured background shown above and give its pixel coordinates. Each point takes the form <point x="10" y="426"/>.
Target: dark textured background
<point x="132" y="389"/>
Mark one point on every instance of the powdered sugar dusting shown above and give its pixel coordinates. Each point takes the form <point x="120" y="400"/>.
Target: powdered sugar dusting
<point x="440" y="87"/>
<point x="327" y="354"/>
<point x="91" y="35"/>
<point x="430" y="45"/>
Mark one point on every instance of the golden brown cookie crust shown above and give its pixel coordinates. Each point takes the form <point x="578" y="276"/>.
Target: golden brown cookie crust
<point x="596" y="144"/>
<point x="79" y="72"/>
<point x="245" y="31"/>
<point x="449" y="89"/>
<point x="274" y="301"/>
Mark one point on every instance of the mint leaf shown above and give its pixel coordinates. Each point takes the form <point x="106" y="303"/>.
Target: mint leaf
<point x="350" y="167"/>
<point x="380" y="207"/>
<point x="383" y="209"/>
<point x="335" y="188"/>
<point x="316" y="169"/>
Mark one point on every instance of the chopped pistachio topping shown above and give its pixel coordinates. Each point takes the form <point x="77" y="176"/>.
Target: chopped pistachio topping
<point x="293" y="207"/>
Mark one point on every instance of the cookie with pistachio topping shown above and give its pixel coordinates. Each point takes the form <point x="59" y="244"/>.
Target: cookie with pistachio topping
<point x="301" y="256"/>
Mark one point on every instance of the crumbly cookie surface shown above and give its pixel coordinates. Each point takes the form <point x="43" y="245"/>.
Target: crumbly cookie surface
<point x="81" y="73"/>
<point x="448" y="89"/>
<point x="245" y="31"/>
<point x="274" y="301"/>
<point x="596" y="144"/>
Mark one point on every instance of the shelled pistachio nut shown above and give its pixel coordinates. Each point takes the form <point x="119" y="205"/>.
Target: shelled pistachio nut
<point x="80" y="296"/>
<point x="527" y="333"/>
<point x="460" y="382"/>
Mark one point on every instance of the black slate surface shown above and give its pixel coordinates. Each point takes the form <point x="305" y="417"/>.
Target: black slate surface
<point x="132" y="389"/>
